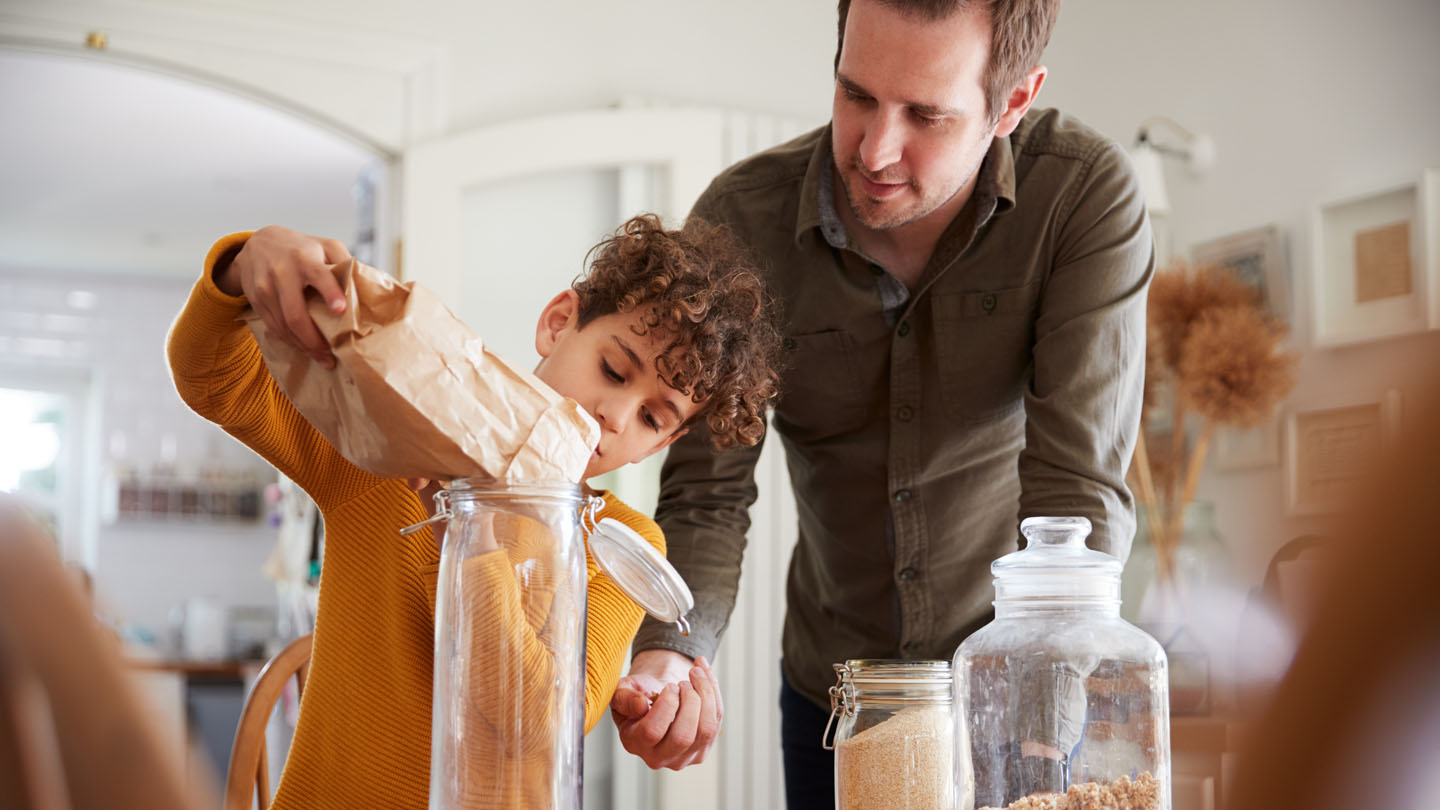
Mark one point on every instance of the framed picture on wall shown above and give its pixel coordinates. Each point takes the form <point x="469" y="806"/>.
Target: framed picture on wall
<point x="1331" y="451"/>
<point x="1377" y="264"/>
<point x="1258" y="257"/>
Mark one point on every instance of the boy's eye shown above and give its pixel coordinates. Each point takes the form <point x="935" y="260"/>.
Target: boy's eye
<point x="610" y="373"/>
<point x="649" y="419"/>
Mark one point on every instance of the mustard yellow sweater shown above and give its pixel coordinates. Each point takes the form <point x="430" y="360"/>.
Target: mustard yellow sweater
<point x="363" y="738"/>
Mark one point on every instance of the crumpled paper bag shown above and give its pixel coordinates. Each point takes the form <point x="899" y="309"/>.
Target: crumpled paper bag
<point x="415" y="394"/>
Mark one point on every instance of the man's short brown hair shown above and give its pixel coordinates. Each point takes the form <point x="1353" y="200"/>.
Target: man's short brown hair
<point x="698" y="291"/>
<point x="1020" y="29"/>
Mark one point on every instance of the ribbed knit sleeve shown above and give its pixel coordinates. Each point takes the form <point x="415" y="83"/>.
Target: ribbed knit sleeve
<point x="218" y="371"/>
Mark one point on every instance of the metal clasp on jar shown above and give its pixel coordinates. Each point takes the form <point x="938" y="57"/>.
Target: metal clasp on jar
<point x="842" y="699"/>
<point x="442" y="512"/>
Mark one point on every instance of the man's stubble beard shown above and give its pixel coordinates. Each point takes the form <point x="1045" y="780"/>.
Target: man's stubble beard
<point x="903" y="218"/>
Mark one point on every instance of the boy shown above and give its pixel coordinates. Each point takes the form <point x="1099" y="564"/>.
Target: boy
<point x="668" y="328"/>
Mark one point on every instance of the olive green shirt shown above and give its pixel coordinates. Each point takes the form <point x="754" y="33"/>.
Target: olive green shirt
<point x="920" y="425"/>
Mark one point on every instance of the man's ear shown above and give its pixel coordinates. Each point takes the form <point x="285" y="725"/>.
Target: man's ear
<point x="1020" y="100"/>
<point x="560" y="314"/>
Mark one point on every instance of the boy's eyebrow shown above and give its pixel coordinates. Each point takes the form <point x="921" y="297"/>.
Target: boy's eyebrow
<point x="640" y="366"/>
<point x="924" y="109"/>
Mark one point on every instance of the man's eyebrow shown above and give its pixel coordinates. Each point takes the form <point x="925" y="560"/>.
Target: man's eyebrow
<point x="929" y="110"/>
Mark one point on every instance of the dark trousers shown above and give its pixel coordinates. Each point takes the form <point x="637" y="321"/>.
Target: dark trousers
<point x="809" y="768"/>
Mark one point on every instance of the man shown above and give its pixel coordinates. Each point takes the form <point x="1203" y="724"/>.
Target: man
<point x="962" y="282"/>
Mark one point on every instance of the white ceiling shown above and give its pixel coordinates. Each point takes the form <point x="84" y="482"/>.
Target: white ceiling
<point x="112" y="169"/>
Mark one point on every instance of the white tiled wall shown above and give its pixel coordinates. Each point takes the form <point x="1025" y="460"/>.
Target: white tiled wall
<point x="107" y="334"/>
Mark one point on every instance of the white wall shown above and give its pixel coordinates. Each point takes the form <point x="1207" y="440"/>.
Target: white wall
<point x="1308" y="101"/>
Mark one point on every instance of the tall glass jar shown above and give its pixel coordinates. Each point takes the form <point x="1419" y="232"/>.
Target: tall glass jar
<point x="894" y="739"/>
<point x="509" y="704"/>
<point x="1059" y="694"/>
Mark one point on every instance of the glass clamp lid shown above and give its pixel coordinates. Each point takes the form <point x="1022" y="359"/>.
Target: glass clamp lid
<point x="641" y="572"/>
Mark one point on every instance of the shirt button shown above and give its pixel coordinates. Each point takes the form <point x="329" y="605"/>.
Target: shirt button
<point x="902" y="495"/>
<point x="988" y="302"/>
<point x="907" y="574"/>
<point x="904" y="328"/>
<point x="876" y="269"/>
<point x="904" y="413"/>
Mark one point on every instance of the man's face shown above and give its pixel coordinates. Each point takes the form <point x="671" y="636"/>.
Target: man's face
<point x="610" y="371"/>
<point x="910" y="125"/>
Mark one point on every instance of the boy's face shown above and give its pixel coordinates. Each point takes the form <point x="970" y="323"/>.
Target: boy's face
<point x="610" y="371"/>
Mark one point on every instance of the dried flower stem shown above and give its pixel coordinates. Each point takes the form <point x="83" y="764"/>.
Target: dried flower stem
<point x="1146" y="480"/>
<point x="1197" y="463"/>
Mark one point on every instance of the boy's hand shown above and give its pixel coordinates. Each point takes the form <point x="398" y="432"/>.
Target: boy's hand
<point x="273" y="271"/>
<point x="668" y="709"/>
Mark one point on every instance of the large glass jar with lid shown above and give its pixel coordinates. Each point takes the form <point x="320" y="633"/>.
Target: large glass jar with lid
<point x="1059" y="695"/>
<point x="509" y="691"/>
<point x="894" y="740"/>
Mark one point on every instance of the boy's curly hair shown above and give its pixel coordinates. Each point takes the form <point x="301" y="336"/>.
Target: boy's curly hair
<point x="698" y="292"/>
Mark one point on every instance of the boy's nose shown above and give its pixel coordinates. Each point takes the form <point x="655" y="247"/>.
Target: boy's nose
<point x="610" y="414"/>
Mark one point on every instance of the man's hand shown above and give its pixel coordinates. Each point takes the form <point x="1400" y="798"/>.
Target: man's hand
<point x="273" y="271"/>
<point x="668" y="709"/>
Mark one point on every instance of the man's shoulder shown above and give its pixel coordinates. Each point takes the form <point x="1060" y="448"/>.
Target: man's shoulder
<point x="1053" y="132"/>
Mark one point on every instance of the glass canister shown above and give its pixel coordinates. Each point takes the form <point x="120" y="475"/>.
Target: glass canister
<point x="508" y="720"/>
<point x="894" y="741"/>
<point x="509" y="704"/>
<point x="1059" y="695"/>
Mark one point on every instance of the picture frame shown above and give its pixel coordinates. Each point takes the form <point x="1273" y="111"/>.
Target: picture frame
<point x="1249" y="448"/>
<point x="1259" y="257"/>
<point x="1330" y="451"/>
<point x="1377" y="264"/>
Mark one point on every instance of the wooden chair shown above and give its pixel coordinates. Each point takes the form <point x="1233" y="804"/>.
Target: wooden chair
<point x="74" y="734"/>
<point x="249" y="776"/>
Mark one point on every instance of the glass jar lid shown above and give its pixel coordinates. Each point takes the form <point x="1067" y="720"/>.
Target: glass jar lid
<point x="641" y="572"/>
<point x="1055" y="562"/>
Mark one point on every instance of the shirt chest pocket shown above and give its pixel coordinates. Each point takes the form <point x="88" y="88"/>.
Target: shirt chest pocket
<point x="820" y="393"/>
<point x="984" y="343"/>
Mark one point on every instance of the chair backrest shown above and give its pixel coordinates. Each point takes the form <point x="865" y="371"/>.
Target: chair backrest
<point x="249" y="775"/>
<point x="74" y="734"/>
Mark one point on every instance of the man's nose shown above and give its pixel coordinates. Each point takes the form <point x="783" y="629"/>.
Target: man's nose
<point x="883" y="141"/>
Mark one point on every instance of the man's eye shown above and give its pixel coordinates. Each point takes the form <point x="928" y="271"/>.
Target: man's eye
<point x="927" y="120"/>
<point x="610" y="372"/>
<point x="851" y="95"/>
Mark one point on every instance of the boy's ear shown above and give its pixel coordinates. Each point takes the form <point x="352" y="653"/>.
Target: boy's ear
<point x="559" y="315"/>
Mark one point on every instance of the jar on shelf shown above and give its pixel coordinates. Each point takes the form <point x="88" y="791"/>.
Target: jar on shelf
<point x="894" y="744"/>
<point x="507" y="728"/>
<point x="1059" y="694"/>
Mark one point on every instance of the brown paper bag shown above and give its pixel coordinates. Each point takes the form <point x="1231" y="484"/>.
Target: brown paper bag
<point x="414" y="394"/>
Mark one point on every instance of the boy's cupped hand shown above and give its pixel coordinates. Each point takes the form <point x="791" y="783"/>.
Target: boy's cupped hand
<point x="668" y="709"/>
<point x="274" y="270"/>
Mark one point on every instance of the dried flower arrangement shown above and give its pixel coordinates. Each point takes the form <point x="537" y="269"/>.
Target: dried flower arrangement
<point x="1214" y="351"/>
